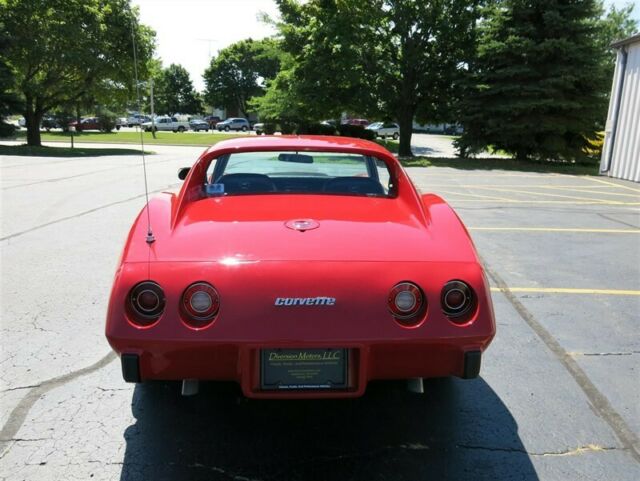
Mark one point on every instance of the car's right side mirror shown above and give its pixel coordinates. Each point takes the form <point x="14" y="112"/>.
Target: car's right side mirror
<point x="183" y="172"/>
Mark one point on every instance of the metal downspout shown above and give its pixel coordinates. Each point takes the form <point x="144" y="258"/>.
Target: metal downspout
<point x="616" y="114"/>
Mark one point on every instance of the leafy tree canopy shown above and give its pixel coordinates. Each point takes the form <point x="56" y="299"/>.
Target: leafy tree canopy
<point x="174" y="92"/>
<point x="380" y="58"/>
<point x="64" y="50"/>
<point x="239" y="73"/>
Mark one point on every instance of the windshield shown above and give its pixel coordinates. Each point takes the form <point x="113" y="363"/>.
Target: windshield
<point x="299" y="173"/>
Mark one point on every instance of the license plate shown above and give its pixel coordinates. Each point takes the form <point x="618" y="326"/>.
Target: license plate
<point x="290" y="369"/>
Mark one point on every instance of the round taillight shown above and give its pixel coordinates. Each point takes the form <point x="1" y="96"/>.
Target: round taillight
<point x="406" y="301"/>
<point x="457" y="299"/>
<point x="146" y="303"/>
<point x="200" y="304"/>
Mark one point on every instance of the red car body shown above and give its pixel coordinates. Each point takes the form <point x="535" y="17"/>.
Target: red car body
<point x="357" y="251"/>
<point x="91" y="123"/>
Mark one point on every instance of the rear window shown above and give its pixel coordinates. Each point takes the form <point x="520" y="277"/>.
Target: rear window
<point x="299" y="173"/>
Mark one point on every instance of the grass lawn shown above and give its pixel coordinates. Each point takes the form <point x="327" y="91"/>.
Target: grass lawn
<point x="162" y="138"/>
<point x="497" y="163"/>
<point x="25" y="150"/>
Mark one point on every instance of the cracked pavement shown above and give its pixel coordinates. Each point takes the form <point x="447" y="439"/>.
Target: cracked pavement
<point x="557" y="397"/>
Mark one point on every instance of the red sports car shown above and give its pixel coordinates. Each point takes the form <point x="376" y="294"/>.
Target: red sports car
<point x="298" y="267"/>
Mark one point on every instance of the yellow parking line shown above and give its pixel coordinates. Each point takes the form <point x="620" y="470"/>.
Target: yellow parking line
<point x="546" y="194"/>
<point x="560" y="290"/>
<point x="613" y="184"/>
<point x="558" y="229"/>
<point x="575" y="202"/>
<point x="480" y="196"/>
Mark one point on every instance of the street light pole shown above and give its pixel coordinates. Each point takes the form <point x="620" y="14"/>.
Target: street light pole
<point x="153" y="120"/>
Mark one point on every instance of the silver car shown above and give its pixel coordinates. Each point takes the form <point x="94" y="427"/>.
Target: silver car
<point x="385" y="129"/>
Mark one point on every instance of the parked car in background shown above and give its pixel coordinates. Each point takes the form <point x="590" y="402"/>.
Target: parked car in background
<point x="89" y="123"/>
<point x="234" y="123"/>
<point x="212" y="120"/>
<point x="121" y="122"/>
<point x="385" y="129"/>
<point x="49" y="122"/>
<point x="165" y="124"/>
<point x="22" y="122"/>
<point x="259" y="128"/>
<point x="361" y="122"/>
<point x="198" y="124"/>
<point x="137" y="119"/>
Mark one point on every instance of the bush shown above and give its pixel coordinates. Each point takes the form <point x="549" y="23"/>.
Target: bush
<point x="270" y="128"/>
<point x="316" y="129"/>
<point x="7" y="130"/>
<point x="287" y="128"/>
<point x="356" y="131"/>
<point x="106" y="120"/>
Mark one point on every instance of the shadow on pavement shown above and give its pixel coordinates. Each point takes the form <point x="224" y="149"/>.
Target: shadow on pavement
<point x="457" y="430"/>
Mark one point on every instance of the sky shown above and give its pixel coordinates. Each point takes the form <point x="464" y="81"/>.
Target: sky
<point x="189" y="32"/>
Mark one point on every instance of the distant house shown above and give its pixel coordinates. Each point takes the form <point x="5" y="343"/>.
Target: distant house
<point x="621" y="150"/>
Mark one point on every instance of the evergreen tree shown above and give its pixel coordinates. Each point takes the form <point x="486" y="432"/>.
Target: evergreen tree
<point x="538" y="87"/>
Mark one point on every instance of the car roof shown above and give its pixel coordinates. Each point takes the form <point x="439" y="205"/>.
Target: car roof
<point x="297" y="142"/>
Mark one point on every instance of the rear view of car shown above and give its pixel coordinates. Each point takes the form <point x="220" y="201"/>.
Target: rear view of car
<point x="299" y="267"/>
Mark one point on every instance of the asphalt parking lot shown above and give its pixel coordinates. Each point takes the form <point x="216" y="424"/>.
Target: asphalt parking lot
<point x="558" y="393"/>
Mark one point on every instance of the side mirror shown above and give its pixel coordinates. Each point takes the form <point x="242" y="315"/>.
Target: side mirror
<point x="183" y="172"/>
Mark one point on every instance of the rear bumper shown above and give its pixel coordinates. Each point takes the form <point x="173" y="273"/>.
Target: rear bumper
<point x="240" y="362"/>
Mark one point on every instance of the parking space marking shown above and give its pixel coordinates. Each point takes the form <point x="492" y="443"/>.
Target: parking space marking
<point x="563" y="290"/>
<point x="614" y="184"/>
<point x="569" y="202"/>
<point x="597" y="400"/>
<point x="479" y="196"/>
<point x="556" y="229"/>
<point x="545" y="194"/>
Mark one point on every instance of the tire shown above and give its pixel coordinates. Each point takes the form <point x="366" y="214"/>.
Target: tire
<point x="117" y="127"/>
<point x="395" y="136"/>
<point x="258" y="132"/>
<point x="244" y="129"/>
<point x="181" y="129"/>
<point x="226" y="128"/>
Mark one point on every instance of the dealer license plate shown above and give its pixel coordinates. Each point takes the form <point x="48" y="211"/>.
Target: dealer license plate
<point x="290" y="369"/>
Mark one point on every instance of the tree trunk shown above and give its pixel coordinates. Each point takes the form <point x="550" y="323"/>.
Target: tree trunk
<point x="33" y="117"/>
<point x="405" y="121"/>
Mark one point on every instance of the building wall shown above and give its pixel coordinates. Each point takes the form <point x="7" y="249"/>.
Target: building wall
<point x="621" y="150"/>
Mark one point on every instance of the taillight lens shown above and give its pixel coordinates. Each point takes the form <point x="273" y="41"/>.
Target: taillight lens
<point x="406" y="302"/>
<point x="200" y="304"/>
<point x="457" y="300"/>
<point x="146" y="303"/>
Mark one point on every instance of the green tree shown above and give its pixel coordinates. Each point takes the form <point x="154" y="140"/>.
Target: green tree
<point x="174" y="92"/>
<point x="384" y="58"/>
<point x="239" y="73"/>
<point x="538" y="87"/>
<point x="64" y="50"/>
<point x="615" y="24"/>
<point x="9" y="100"/>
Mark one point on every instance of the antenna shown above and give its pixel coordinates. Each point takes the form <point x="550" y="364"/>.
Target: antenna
<point x="150" y="239"/>
<point x="210" y="41"/>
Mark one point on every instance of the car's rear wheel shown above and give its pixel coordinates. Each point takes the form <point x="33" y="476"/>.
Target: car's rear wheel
<point x="181" y="129"/>
<point x="395" y="136"/>
<point x="244" y="128"/>
<point x="226" y="128"/>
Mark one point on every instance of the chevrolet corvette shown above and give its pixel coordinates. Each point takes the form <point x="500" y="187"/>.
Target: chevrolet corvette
<point x="298" y="267"/>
